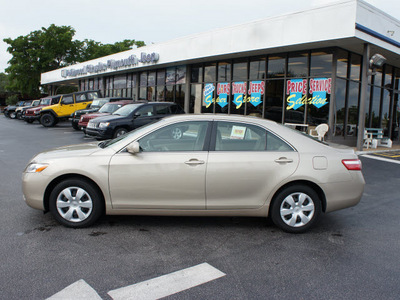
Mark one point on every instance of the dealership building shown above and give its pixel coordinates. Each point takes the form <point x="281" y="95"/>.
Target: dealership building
<point x="305" y="68"/>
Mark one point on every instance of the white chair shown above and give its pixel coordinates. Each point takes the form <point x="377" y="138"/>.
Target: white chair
<point x="319" y="131"/>
<point x="367" y="139"/>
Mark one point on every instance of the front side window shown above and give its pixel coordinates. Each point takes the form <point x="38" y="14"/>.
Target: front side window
<point x="184" y="136"/>
<point x="245" y="137"/>
<point x="144" y="111"/>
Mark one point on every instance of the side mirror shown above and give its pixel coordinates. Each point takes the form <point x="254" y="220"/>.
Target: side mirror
<point x="133" y="148"/>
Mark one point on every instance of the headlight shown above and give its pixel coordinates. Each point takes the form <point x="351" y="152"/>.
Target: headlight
<point x="104" y="124"/>
<point x="35" y="168"/>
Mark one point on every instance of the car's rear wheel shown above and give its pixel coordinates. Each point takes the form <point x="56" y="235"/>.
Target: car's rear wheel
<point x="296" y="208"/>
<point x="119" y="132"/>
<point x="76" y="203"/>
<point x="48" y="120"/>
<point x="75" y="126"/>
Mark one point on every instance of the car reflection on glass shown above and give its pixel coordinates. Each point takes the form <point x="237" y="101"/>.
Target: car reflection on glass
<point x="197" y="165"/>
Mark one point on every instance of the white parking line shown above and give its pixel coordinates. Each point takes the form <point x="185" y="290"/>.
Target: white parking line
<point x="77" y="290"/>
<point x="169" y="284"/>
<point x="382" y="159"/>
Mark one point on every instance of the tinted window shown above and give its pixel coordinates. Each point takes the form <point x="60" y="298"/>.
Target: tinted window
<point x="126" y="110"/>
<point x="146" y="110"/>
<point x="245" y="137"/>
<point x="185" y="136"/>
<point x="92" y="95"/>
<point x="163" y="109"/>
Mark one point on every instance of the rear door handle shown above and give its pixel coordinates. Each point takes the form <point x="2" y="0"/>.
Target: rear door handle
<point x="283" y="160"/>
<point x="194" y="161"/>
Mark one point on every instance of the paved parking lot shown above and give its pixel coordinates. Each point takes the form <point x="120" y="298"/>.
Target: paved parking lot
<point x="351" y="254"/>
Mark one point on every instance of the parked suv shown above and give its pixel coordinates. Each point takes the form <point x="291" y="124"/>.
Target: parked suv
<point x="93" y="107"/>
<point x="69" y="103"/>
<point x="9" y="111"/>
<point x="20" y="111"/>
<point x="32" y="114"/>
<point x="105" y="110"/>
<point x="130" y="117"/>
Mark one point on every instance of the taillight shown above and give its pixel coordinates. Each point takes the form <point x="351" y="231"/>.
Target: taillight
<point x="352" y="164"/>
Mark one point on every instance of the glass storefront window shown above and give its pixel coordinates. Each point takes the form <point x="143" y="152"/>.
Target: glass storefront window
<point x="210" y="72"/>
<point x="195" y="98"/>
<point x="376" y="97"/>
<point x="388" y="76"/>
<point x="340" y="106"/>
<point x="197" y="74"/>
<point x="180" y="95"/>
<point x="276" y="66"/>
<point x="169" y="93"/>
<point x="342" y="63"/>
<point x="170" y="76"/>
<point x="355" y="67"/>
<point x="224" y="71"/>
<point x="120" y="82"/>
<point x="274" y="95"/>
<point x="143" y="79"/>
<point x="385" y="117"/>
<point x="160" y="77"/>
<point x="298" y="65"/>
<point x="321" y="64"/>
<point x="352" y="108"/>
<point x="180" y="75"/>
<point x="240" y="71"/>
<point x="151" y="79"/>
<point x="160" y="93"/>
<point x="257" y="69"/>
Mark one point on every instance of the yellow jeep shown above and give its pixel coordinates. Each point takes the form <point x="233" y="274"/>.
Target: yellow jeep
<point x="68" y="104"/>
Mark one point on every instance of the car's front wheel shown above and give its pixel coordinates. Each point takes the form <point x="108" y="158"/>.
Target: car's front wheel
<point x="48" y="120"/>
<point x="19" y="115"/>
<point x="12" y="115"/>
<point x="76" y="203"/>
<point x="296" y="208"/>
<point x="119" y="132"/>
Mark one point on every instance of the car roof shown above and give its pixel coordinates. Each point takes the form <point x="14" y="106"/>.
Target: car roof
<point x="121" y="102"/>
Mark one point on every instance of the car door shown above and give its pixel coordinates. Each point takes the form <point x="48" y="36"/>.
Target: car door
<point x="168" y="173"/>
<point x="246" y="164"/>
<point x="66" y="107"/>
<point x="143" y="115"/>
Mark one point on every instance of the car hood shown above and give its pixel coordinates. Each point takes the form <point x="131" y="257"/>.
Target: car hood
<point x="109" y="118"/>
<point x="96" y="115"/>
<point x="68" y="151"/>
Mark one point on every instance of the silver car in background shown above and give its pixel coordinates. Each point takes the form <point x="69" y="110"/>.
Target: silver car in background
<point x="197" y="165"/>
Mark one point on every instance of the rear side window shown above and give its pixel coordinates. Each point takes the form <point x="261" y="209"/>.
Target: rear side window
<point x="163" y="109"/>
<point x="176" y="109"/>
<point x="232" y="136"/>
<point x="80" y="98"/>
<point x="146" y="110"/>
<point x="92" y="95"/>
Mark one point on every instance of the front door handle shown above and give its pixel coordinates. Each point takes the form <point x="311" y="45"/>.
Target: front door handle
<point x="283" y="160"/>
<point x="194" y="161"/>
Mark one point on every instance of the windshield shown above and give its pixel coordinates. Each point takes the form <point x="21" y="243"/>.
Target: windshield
<point x="109" y="108"/>
<point x="45" y="101"/>
<point x="126" y="110"/>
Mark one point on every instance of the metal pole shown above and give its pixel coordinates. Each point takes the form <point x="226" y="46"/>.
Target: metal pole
<point x="363" y="98"/>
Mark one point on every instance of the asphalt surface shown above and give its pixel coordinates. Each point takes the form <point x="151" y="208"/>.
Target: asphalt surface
<point x="350" y="254"/>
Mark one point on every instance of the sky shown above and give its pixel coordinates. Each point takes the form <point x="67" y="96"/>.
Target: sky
<point x="152" y="21"/>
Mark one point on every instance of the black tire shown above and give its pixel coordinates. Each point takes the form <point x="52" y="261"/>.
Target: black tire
<point x="73" y="212"/>
<point x="19" y="115"/>
<point x="48" y="120"/>
<point x="29" y="121"/>
<point x="296" y="209"/>
<point x="75" y="126"/>
<point x="119" y="131"/>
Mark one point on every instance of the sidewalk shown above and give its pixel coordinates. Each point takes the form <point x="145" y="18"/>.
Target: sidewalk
<point x="395" y="147"/>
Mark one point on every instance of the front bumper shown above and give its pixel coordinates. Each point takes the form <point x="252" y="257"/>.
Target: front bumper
<point x="99" y="133"/>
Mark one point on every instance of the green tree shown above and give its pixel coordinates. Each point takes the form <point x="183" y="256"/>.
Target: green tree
<point x="49" y="49"/>
<point x="3" y="83"/>
<point x="11" y="100"/>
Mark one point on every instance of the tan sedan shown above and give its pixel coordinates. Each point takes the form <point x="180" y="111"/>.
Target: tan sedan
<point x="197" y="165"/>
